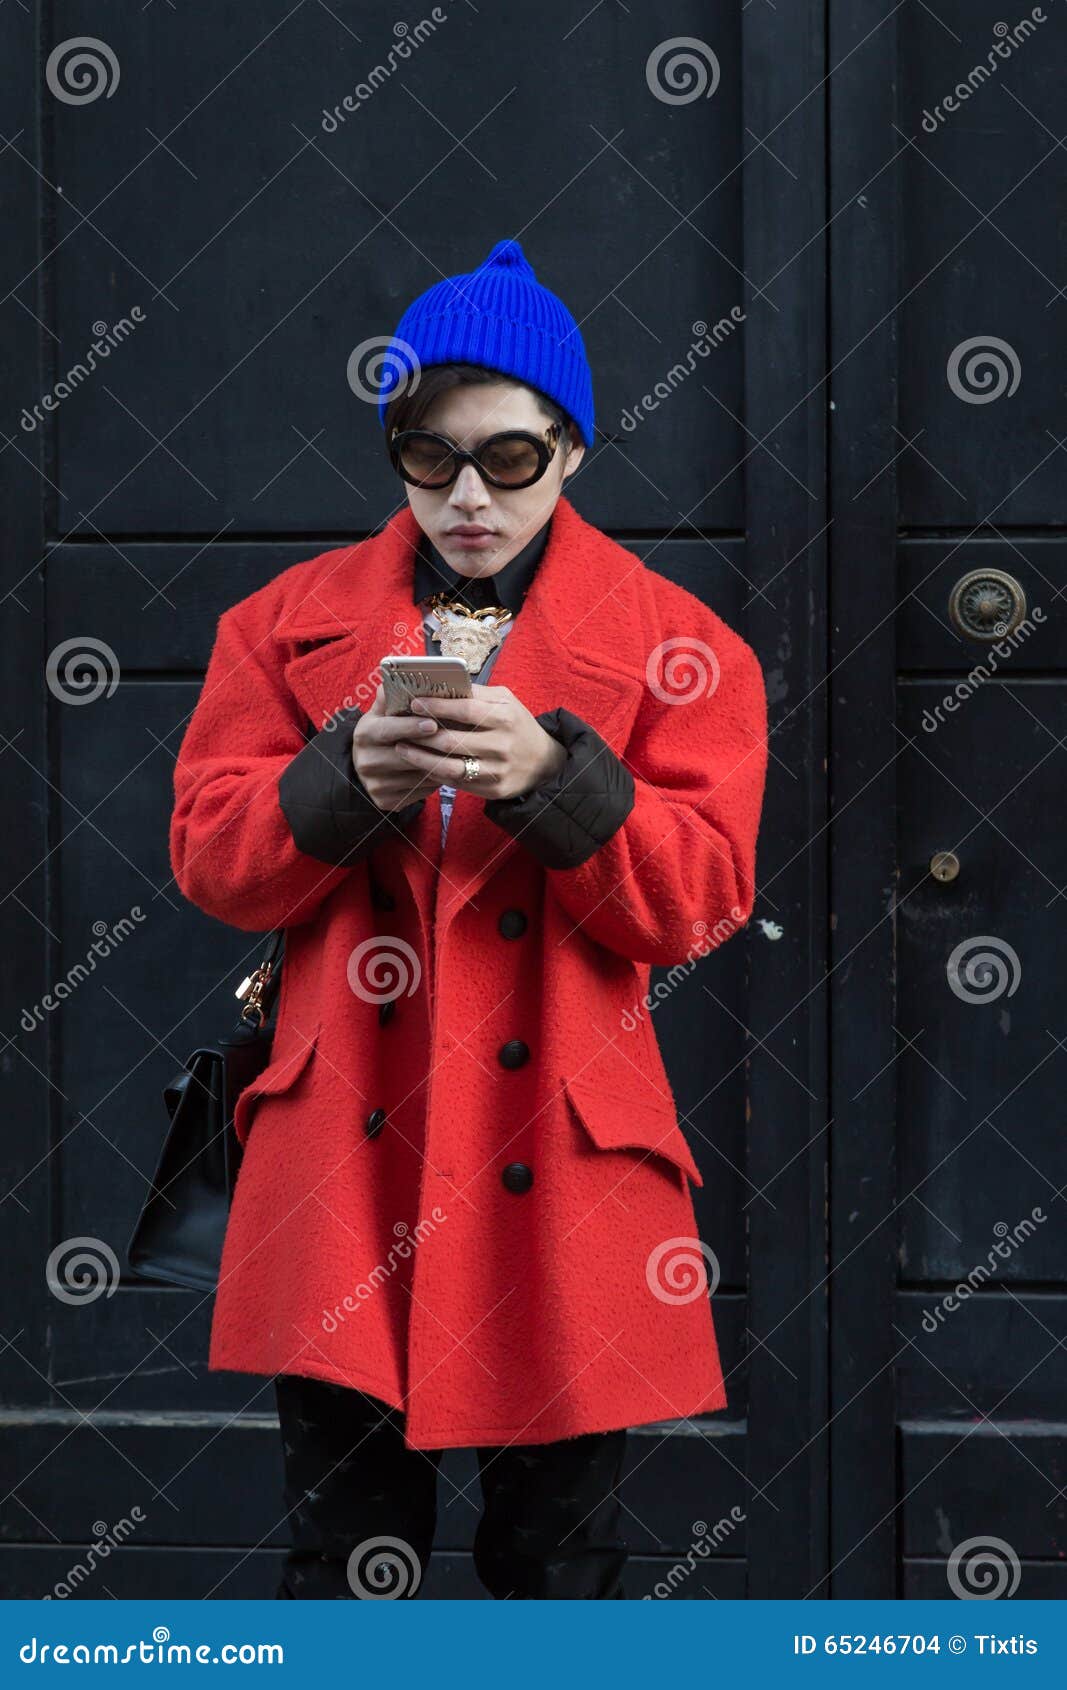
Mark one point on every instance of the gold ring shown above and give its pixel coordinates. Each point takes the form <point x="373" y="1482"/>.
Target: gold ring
<point x="471" y="767"/>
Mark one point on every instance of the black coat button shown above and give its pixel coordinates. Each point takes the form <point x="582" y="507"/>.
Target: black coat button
<point x="512" y="924"/>
<point x="513" y="1054"/>
<point x="517" y="1177"/>
<point x="375" y="1122"/>
<point x="381" y="899"/>
<point x="386" y="1011"/>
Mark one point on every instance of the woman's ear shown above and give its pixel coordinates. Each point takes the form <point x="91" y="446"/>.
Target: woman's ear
<point x="576" y="452"/>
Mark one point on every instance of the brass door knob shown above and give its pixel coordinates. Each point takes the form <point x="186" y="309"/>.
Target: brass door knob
<point x="986" y="604"/>
<point x="944" y="865"/>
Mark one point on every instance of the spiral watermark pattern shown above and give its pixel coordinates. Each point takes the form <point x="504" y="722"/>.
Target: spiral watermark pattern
<point x="81" y="670"/>
<point x="684" y="63"/>
<point x="984" y="1569"/>
<point x="373" y="358"/>
<point x="382" y="968"/>
<point x="82" y="69"/>
<point x="677" y="1270"/>
<point x="382" y="1569"/>
<point x="983" y="975"/>
<point x="983" y="369"/>
<point x="681" y="670"/>
<point x="79" y="1270"/>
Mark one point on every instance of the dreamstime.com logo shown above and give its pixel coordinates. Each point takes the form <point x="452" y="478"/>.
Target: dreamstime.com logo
<point x="80" y="70"/>
<point x="1009" y="1239"/>
<point x="106" y="1538"/>
<point x="81" y="670"/>
<point x="381" y="1569"/>
<point x="706" y="342"/>
<point x="108" y="939"/>
<point x="79" y="1270"/>
<point x="408" y="38"/>
<point x="384" y="967"/>
<point x="682" y="70"/>
<point x="983" y="369"/>
<point x="407" y="1240"/>
<point x="708" y="939"/>
<point x="984" y="1569"/>
<point x="681" y="670"/>
<point x="677" y="1270"/>
<point x="157" y="1651"/>
<point x="704" y="1541"/>
<point x="412" y="644"/>
<point x="983" y="969"/>
<point x="107" y="339"/>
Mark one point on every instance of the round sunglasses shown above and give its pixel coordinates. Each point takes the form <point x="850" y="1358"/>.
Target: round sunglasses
<point x="510" y="460"/>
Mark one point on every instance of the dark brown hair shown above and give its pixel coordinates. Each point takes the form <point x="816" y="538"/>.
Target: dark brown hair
<point x="408" y="407"/>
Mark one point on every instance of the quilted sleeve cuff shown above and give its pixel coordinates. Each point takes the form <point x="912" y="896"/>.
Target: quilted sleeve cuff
<point x="331" y="814"/>
<point x="576" y="811"/>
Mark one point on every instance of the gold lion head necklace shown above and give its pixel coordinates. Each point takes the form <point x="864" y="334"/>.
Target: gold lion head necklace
<point x="468" y="634"/>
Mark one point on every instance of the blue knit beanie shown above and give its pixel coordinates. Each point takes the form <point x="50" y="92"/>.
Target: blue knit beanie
<point x="501" y="317"/>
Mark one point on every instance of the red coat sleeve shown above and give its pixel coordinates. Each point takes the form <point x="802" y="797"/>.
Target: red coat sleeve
<point x="678" y="877"/>
<point x="231" y="847"/>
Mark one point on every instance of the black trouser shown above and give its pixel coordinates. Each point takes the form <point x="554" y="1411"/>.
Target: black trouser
<point x="549" y="1527"/>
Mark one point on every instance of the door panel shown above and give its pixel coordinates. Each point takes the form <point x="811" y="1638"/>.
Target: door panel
<point x="220" y="441"/>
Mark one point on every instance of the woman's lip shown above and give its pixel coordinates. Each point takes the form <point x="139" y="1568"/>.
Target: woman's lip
<point x="472" y="540"/>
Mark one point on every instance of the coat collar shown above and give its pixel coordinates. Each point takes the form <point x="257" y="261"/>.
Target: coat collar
<point x="576" y="643"/>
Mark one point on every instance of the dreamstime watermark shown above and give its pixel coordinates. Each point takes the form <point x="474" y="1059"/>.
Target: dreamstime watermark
<point x="407" y="1241"/>
<point x="984" y="1569"/>
<point x="1008" y="39"/>
<point x="81" y="670"/>
<point x="408" y="39"/>
<point x="79" y="1270"/>
<point x="108" y="939"/>
<point x="983" y="968"/>
<point x="100" y="348"/>
<point x="107" y="1539"/>
<point x="80" y="70"/>
<point x="682" y="70"/>
<point x="677" y="1270"/>
<point x="1010" y="1239"/>
<point x="383" y="967"/>
<point x="983" y="369"/>
<point x="413" y="645"/>
<point x="681" y="670"/>
<point x="933" y="717"/>
<point x="381" y="1569"/>
<point x="706" y="342"/>
<point x="368" y="362"/>
<point x="705" y="1539"/>
<point x="708" y="940"/>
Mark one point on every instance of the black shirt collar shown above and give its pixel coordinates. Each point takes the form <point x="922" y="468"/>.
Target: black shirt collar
<point x="508" y="586"/>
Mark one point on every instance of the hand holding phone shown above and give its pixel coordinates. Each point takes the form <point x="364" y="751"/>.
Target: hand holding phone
<point x="391" y="781"/>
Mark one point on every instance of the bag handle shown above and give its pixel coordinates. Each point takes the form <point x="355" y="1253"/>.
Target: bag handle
<point x="259" y="989"/>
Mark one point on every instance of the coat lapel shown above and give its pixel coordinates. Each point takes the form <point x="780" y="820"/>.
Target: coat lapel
<point x="576" y="643"/>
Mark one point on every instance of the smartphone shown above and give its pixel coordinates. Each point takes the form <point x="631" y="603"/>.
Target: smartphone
<point x="405" y="678"/>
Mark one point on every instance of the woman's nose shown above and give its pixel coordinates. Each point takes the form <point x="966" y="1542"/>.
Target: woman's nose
<point x="469" y="490"/>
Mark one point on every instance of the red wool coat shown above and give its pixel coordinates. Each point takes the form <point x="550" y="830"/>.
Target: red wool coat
<point x="398" y="1260"/>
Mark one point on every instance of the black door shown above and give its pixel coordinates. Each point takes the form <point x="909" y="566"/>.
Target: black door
<point x="946" y="690"/>
<point x="215" y="216"/>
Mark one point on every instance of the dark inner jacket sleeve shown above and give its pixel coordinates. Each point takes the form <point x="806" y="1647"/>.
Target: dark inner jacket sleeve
<point x="331" y="814"/>
<point x="576" y="811"/>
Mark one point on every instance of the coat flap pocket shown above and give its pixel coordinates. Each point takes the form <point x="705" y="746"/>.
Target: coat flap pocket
<point x="280" y="1073"/>
<point x="645" y="1122"/>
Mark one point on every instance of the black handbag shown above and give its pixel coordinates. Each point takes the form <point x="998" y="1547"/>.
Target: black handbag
<point x="179" y="1234"/>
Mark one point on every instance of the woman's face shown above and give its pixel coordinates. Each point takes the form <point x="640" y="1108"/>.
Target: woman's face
<point x="508" y="519"/>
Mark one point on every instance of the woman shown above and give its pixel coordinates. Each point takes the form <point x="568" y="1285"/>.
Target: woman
<point x="463" y="1217"/>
